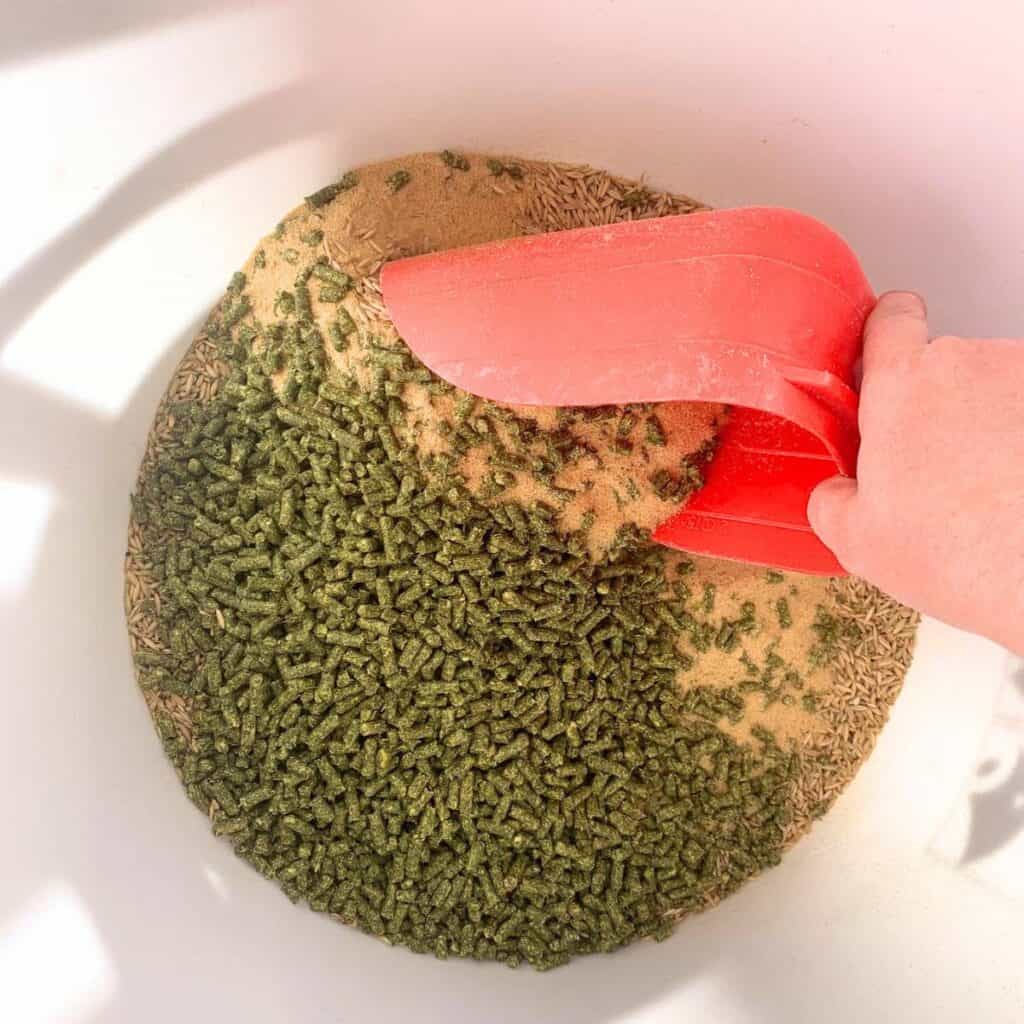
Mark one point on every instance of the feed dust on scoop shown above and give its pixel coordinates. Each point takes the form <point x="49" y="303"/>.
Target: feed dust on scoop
<point x="413" y="653"/>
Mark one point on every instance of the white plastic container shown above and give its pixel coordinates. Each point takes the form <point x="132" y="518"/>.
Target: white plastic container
<point x="149" y="144"/>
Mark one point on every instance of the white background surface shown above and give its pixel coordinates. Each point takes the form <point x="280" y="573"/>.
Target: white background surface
<point x="148" y="144"/>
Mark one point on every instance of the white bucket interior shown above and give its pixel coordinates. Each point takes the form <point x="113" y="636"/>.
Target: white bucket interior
<point x="149" y="145"/>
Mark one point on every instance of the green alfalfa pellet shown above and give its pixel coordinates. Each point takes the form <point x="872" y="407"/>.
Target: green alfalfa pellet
<point x="329" y="193"/>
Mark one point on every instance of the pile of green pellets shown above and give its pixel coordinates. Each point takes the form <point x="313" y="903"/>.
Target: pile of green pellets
<point x="433" y="716"/>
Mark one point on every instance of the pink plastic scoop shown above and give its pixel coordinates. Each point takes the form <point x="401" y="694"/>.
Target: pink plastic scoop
<point x="759" y="308"/>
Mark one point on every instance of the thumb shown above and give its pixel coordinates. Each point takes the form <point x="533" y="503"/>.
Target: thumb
<point x="831" y="511"/>
<point x="896" y="330"/>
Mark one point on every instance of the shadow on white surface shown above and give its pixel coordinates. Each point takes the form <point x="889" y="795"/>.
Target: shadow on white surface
<point x="983" y="835"/>
<point x="260" y="123"/>
<point x="857" y="924"/>
<point x="33" y="30"/>
<point x="997" y="808"/>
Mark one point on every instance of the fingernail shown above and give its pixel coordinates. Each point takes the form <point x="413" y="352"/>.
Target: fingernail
<point x="904" y="304"/>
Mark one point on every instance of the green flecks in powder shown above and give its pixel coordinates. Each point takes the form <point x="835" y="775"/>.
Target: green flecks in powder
<point x="312" y="238"/>
<point x="331" y="192"/>
<point x="337" y="279"/>
<point x="730" y="631"/>
<point x="626" y="425"/>
<point x="774" y="576"/>
<point x="669" y="486"/>
<point x="774" y="678"/>
<point x="398" y="180"/>
<point x="830" y="630"/>
<point x="428" y="715"/>
<point x="497" y="168"/>
<point x="691" y="474"/>
<point x="259" y="261"/>
<point x="654" y="432"/>
<point x="456" y="161"/>
<point x="331" y="293"/>
<point x="783" y="613"/>
<point x="290" y="256"/>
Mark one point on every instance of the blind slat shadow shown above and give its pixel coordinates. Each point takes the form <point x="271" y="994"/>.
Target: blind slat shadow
<point x="265" y="122"/>
<point x="32" y="30"/>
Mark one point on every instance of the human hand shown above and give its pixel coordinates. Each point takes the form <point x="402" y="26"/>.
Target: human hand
<point x="936" y="514"/>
